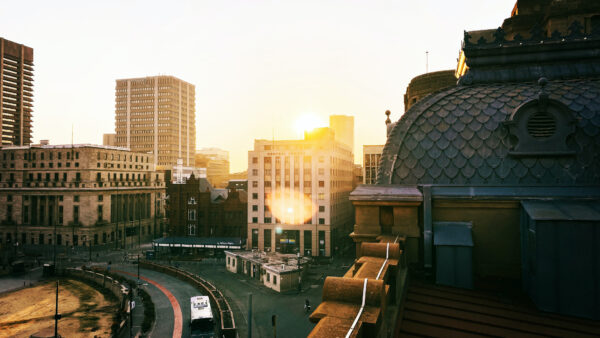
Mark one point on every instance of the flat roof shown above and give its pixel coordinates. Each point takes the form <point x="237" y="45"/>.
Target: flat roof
<point x="367" y="192"/>
<point x="562" y="210"/>
<point x="68" y="146"/>
<point x="200" y="242"/>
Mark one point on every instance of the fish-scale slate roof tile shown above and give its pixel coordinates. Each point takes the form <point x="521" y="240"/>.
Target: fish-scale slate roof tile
<point x="458" y="136"/>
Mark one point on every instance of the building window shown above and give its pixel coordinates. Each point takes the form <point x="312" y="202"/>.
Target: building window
<point x="321" y="184"/>
<point x="76" y="198"/>
<point x="254" y="196"/>
<point x="255" y="160"/>
<point x="254" y="207"/>
<point x="191" y="215"/>
<point x="192" y="230"/>
<point x="100" y="198"/>
<point x="275" y="279"/>
<point x="267" y="220"/>
<point x="268" y="277"/>
<point x="254" y="220"/>
<point x="254" y="184"/>
<point x="321" y="220"/>
<point x="321" y="208"/>
<point x="254" y="238"/>
<point x="76" y="214"/>
<point x="321" y="196"/>
<point x="254" y="172"/>
<point x="192" y="200"/>
<point x="100" y="213"/>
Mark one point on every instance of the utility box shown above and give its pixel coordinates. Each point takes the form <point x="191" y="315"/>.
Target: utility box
<point x="453" y="243"/>
<point x="560" y="256"/>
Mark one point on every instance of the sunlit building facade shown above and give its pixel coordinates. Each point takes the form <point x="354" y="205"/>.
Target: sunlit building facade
<point x="16" y="93"/>
<point x="298" y="194"/>
<point x="371" y="157"/>
<point x="157" y="115"/>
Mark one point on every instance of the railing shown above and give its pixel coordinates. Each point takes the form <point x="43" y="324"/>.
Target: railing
<point x="218" y="301"/>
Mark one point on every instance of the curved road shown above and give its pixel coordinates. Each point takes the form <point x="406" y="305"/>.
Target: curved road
<point x="171" y="298"/>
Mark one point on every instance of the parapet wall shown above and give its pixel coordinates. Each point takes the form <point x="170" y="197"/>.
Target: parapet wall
<point x="366" y="301"/>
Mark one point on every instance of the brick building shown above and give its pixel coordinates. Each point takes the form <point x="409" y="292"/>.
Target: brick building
<point x="195" y="211"/>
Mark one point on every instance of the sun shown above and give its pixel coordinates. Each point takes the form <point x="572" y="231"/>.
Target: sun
<point x="308" y="122"/>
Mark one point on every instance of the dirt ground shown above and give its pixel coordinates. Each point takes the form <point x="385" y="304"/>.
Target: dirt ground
<point x="85" y="311"/>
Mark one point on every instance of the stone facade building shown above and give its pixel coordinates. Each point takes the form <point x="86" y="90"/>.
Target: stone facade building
<point x="157" y="114"/>
<point x="73" y="195"/>
<point x="371" y="157"/>
<point x="16" y="93"/>
<point x="425" y="84"/>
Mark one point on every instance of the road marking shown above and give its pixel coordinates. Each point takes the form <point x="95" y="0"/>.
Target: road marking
<point x="178" y="325"/>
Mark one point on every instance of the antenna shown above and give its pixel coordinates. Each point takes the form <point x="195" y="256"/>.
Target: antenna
<point x="426" y="61"/>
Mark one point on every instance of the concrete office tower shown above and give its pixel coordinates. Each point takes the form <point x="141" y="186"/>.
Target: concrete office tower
<point x="298" y="195"/>
<point x="343" y="127"/>
<point x="371" y="156"/>
<point x="156" y="114"/>
<point x="16" y="93"/>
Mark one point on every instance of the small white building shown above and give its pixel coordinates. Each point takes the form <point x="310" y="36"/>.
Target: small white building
<point x="279" y="272"/>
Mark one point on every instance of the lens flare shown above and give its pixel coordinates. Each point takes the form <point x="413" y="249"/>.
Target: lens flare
<point x="290" y="206"/>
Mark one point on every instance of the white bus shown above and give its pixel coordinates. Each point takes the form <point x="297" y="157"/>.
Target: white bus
<point x="202" y="323"/>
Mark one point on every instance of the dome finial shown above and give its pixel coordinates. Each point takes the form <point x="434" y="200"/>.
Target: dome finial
<point x="388" y="121"/>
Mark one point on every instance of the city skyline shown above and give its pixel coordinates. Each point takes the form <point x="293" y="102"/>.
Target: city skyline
<point x="257" y="67"/>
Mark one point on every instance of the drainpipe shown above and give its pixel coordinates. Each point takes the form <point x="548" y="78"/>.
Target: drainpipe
<point x="427" y="228"/>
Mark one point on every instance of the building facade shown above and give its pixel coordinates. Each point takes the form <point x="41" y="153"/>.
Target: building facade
<point x="74" y="195"/>
<point x="216" y="162"/>
<point x="298" y="194"/>
<point x="343" y="127"/>
<point x="371" y="157"/>
<point x="157" y="114"/>
<point x="194" y="210"/>
<point x="16" y="93"/>
<point x="109" y="140"/>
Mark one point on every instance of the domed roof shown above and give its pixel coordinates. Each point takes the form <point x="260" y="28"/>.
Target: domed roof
<point x="463" y="136"/>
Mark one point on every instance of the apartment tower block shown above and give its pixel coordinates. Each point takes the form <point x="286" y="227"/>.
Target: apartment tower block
<point x="157" y="115"/>
<point x="16" y="93"/>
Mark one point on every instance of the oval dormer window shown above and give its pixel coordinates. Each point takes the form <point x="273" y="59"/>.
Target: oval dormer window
<point x="541" y="124"/>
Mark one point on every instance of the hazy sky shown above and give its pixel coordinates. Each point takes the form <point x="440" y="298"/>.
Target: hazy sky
<point x="257" y="65"/>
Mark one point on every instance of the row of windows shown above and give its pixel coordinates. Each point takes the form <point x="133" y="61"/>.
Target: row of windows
<point x="269" y="220"/>
<point x="267" y="208"/>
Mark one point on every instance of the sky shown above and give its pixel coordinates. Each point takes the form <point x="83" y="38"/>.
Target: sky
<point x="258" y="66"/>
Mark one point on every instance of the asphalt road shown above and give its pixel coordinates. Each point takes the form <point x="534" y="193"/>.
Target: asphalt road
<point x="292" y="321"/>
<point x="165" y="318"/>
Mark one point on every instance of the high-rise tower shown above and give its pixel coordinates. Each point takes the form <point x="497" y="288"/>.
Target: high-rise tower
<point x="157" y="114"/>
<point x="16" y="93"/>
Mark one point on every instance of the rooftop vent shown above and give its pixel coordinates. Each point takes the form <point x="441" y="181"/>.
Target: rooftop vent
<point x="541" y="125"/>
